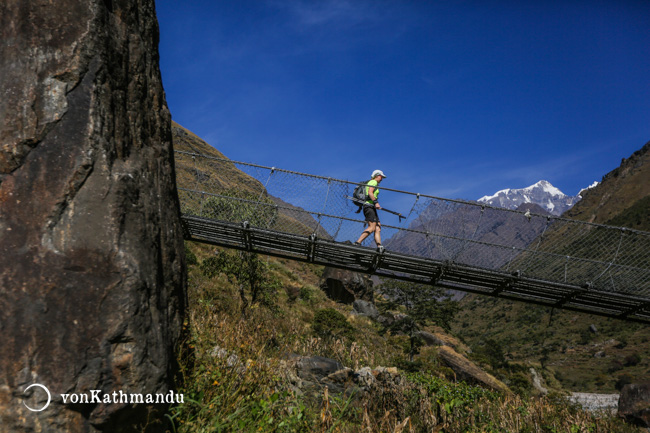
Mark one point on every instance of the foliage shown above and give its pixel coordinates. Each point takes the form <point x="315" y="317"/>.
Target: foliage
<point x="249" y="272"/>
<point x="636" y="216"/>
<point x="520" y="383"/>
<point x="236" y="205"/>
<point x="561" y="340"/>
<point x="329" y="323"/>
<point x="424" y="304"/>
<point x="234" y="373"/>
<point x="190" y="257"/>
<point x="305" y="293"/>
<point x="224" y="393"/>
<point x="491" y="353"/>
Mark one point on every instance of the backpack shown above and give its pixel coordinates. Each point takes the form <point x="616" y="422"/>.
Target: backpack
<point x="360" y="192"/>
<point x="359" y="195"/>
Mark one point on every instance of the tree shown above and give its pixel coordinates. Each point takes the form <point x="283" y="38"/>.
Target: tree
<point x="329" y="323"/>
<point x="235" y="205"/>
<point x="424" y="305"/>
<point x="247" y="271"/>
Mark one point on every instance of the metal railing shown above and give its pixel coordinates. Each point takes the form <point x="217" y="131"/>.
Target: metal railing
<point x="455" y="232"/>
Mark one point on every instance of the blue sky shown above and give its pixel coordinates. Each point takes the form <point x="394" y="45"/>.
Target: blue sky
<point x="455" y="99"/>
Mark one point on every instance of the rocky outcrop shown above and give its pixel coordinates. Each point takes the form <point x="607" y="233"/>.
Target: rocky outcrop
<point x="346" y="286"/>
<point x="310" y="375"/>
<point x="596" y="402"/>
<point x="537" y="382"/>
<point x="468" y="371"/>
<point x="91" y="282"/>
<point x="634" y="404"/>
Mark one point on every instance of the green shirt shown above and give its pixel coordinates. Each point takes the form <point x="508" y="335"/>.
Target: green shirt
<point x="372" y="183"/>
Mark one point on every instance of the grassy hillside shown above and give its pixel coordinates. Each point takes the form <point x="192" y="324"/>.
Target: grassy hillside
<point x="235" y="362"/>
<point x="235" y="374"/>
<point x="195" y="175"/>
<point x="562" y="344"/>
<point x="572" y="356"/>
<point x="619" y="190"/>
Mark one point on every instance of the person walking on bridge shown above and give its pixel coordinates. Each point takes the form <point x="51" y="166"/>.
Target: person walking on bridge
<point x="370" y="208"/>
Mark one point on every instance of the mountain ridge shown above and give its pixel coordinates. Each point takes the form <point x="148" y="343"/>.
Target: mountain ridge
<point x="583" y="352"/>
<point x="542" y="193"/>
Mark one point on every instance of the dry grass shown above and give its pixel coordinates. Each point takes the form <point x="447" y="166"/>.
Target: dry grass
<point x="235" y="373"/>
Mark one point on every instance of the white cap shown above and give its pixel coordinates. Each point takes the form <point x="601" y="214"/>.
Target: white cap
<point x="378" y="173"/>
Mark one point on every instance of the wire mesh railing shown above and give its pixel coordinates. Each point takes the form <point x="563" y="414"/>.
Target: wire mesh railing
<point x="543" y="247"/>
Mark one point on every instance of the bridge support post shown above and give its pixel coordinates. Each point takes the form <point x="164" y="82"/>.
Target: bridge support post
<point x="312" y="247"/>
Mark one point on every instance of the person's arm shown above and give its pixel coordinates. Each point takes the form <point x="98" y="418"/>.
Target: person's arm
<point x="373" y="198"/>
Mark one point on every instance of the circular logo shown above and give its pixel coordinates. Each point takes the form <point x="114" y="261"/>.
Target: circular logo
<point x="49" y="397"/>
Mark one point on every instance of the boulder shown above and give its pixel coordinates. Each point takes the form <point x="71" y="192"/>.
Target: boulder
<point x="468" y="371"/>
<point x="634" y="404"/>
<point x="309" y="375"/>
<point x="315" y="368"/>
<point x="346" y="286"/>
<point x="92" y="288"/>
<point x="365" y="308"/>
<point x="388" y="318"/>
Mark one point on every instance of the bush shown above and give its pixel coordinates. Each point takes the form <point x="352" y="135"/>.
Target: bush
<point x="491" y="352"/>
<point x="329" y="323"/>
<point x="614" y="366"/>
<point x="623" y="379"/>
<point x="520" y="384"/>
<point x="306" y="293"/>
<point x="631" y="360"/>
<point x="408" y="366"/>
<point x="249" y="272"/>
<point x="190" y="257"/>
<point x="235" y="205"/>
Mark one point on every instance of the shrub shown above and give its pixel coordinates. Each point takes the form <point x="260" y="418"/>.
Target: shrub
<point x="631" y="360"/>
<point x="329" y="323"/>
<point x="491" y="353"/>
<point x="235" y="205"/>
<point x="306" y="293"/>
<point x="623" y="379"/>
<point x="520" y="383"/>
<point x="614" y="366"/>
<point x="249" y="272"/>
<point x="190" y="257"/>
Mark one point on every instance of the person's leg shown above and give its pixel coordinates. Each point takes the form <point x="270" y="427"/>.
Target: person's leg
<point x="378" y="234"/>
<point x="366" y="232"/>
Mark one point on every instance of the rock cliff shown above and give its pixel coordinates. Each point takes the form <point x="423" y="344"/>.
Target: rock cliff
<point x="92" y="285"/>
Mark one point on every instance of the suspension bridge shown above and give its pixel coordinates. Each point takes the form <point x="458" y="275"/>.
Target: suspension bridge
<point x="454" y="244"/>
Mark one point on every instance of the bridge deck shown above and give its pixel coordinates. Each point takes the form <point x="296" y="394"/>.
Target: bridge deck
<point x="447" y="274"/>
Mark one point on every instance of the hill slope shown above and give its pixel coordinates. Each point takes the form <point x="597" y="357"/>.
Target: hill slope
<point x="200" y="174"/>
<point x="620" y="193"/>
<point x="582" y="357"/>
<point x="240" y="370"/>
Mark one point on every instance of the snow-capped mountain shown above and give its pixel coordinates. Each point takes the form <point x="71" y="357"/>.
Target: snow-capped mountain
<point x="542" y="193"/>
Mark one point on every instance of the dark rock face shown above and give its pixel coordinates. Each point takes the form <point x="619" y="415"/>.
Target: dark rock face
<point x="346" y="286"/>
<point x="634" y="404"/>
<point x="92" y="278"/>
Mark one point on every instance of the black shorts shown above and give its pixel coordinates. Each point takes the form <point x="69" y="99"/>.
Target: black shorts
<point x="371" y="214"/>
